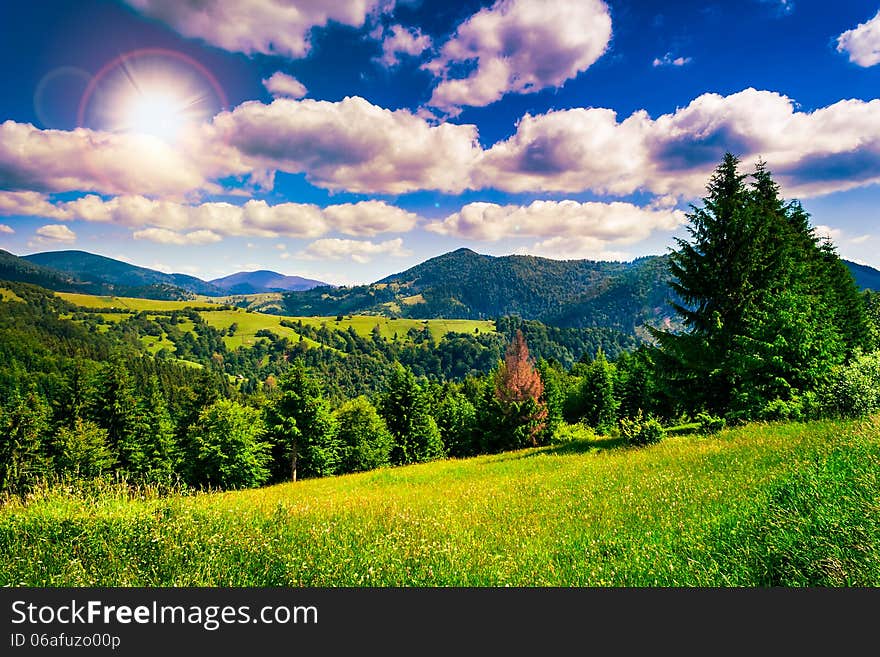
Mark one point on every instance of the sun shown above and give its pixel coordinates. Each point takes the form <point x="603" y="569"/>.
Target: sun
<point x="152" y="92"/>
<point x="157" y="112"/>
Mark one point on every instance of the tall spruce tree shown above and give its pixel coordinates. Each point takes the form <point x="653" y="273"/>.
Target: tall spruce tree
<point x="406" y="409"/>
<point x="768" y="310"/>
<point x="301" y="427"/>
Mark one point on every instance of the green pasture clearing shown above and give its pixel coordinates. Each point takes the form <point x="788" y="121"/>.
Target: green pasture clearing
<point x="8" y="295"/>
<point x="763" y="505"/>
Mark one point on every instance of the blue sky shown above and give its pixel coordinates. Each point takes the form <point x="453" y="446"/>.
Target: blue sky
<point x="347" y="140"/>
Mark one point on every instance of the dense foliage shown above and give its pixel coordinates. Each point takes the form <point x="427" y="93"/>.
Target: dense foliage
<point x="769" y="310"/>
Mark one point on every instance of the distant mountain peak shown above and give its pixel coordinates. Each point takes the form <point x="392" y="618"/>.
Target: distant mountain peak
<point x="263" y="280"/>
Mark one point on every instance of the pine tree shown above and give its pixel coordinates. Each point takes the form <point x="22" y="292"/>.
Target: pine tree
<point x="406" y="410"/>
<point x="515" y="415"/>
<point x="597" y="394"/>
<point x="302" y="427"/>
<point x="24" y="426"/>
<point x="769" y="310"/>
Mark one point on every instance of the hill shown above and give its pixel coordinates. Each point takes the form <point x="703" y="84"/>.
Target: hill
<point x="14" y="268"/>
<point x="762" y="505"/>
<point x="866" y="277"/>
<point x="465" y="284"/>
<point x="256" y="282"/>
<point x="95" y="268"/>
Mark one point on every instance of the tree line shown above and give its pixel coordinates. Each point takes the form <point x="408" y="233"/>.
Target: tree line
<point x="772" y="328"/>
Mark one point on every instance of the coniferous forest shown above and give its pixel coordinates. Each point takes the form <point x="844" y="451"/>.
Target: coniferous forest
<point x="780" y="332"/>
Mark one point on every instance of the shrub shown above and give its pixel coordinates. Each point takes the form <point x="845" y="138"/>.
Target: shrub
<point x="641" y="430"/>
<point x="568" y="433"/>
<point x="855" y="390"/>
<point x="710" y="423"/>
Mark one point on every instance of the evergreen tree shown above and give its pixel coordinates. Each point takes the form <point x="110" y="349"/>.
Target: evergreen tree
<point x="406" y="409"/>
<point x="769" y="310"/>
<point x="513" y="411"/>
<point x="24" y="426"/>
<point x="597" y="395"/>
<point x="302" y="428"/>
<point x="81" y="450"/>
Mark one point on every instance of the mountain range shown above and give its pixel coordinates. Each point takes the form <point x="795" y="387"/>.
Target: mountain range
<point x="80" y="271"/>
<point x="459" y="284"/>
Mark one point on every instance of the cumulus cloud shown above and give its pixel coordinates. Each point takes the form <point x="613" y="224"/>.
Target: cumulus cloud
<point x="6" y="229"/>
<point x="398" y="40"/>
<point x="827" y="232"/>
<point x="360" y="251"/>
<point x="283" y="85"/>
<point x="54" y="233"/>
<point x="568" y="228"/>
<point x="351" y="144"/>
<point x="88" y="160"/>
<point x="166" y="236"/>
<point x="832" y="148"/>
<point x="270" y="27"/>
<point x="164" y="221"/>
<point x="669" y="60"/>
<point x="862" y="43"/>
<point x="519" y="46"/>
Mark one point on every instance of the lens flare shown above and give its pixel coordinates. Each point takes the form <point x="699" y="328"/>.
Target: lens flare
<point x="153" y="92"/>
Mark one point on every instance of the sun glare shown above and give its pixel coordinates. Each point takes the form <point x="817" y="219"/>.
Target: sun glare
<point x="150" y="92"/>
<point x="154" y="112"/>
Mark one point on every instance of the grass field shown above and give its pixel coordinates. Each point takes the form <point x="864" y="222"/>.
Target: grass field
<point x="763" y="505"/>
<point x="129" y="303"/>
<point x="251" y="322"/>
<point x="8" y="295"/>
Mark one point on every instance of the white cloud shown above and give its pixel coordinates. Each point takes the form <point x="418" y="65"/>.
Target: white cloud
<point x="862" y="43"/>
<point x="281" y="84"/>
<point x="166" y="236"/>
<point x="359" y="147"/>
<point x="568" y="229"/>
<point x="861" y="239"/>
<point x="351" y="144"/>
<point x="399" y="40"/>
<point x="207" y="221"/>
<point x="827" y="232"/>
<point x="359" y="251"/>
<point x="832" y="148"/>
<point x="519" y="46"/>
<point x="669" y="60"/>
<point x="369" y="218"/>
<point x="54" y="233"/>
<point x="270" y="27"/>
<point x="6" y="229"/>
<point x="86" y="160"/>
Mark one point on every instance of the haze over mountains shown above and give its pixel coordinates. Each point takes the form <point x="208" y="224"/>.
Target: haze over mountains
<point x="459" y="284"/>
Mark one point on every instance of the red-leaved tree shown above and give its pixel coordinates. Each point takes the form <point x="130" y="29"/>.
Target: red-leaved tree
<point x="519" y="388"/>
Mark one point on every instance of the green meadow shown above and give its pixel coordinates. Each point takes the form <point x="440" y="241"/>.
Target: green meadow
<point x="249" y="323"/>
<point x="795" y="504"/>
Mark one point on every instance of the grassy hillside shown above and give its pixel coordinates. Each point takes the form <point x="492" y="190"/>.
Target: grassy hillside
<point x="786" y="504"/>
<point x="249" y="323"/>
